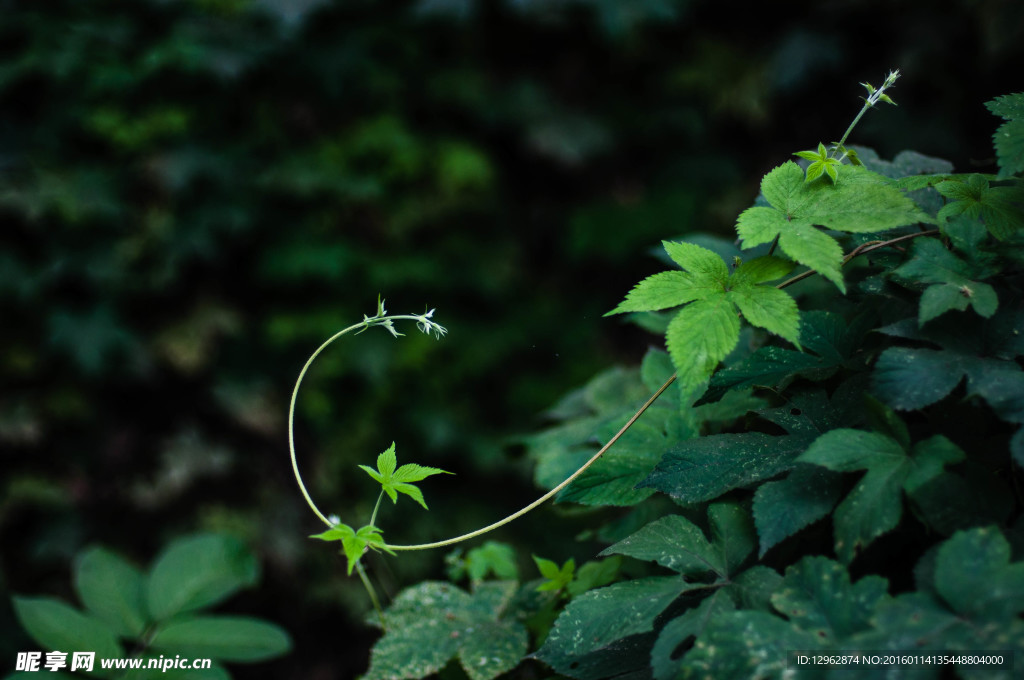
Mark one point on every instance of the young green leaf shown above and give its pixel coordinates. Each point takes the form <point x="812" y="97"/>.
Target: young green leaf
<point x="396" y="481"/>
<point x="820" y="163"/>
<point x="355" y="543"/>
<point x="858" y="202"/>
<point x="555" y="578"/>
<point x="707" y="329"/>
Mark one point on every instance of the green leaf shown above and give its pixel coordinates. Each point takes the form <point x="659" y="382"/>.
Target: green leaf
<point x="703" y="469"/>
<point x="1009" y="138"/>
<point x="930" y="262"/>
<point x="998" y="207"/>
<point x="806" y="495"/>
<point x="198" y="571"/>
<point x="354" y="543"/>
<point x="761" y="270"/>
<point x="594" y="574"/>
<point x="974" y="576"/>
<point x="225" y="638"/>
<point x="492" y="557"/>
<point x="859" y="202"/>
<point x="678" y="630"/>
<point x="613" y="478"/>
<point x="741" y="645"/>
<point x="769" y="308"/>
<point x="818" y="597"/>
<point x="661" y="291"/>
<point x="112" y="590"/>
<point x="914" y="378"/>
<point x="57" y="626"/>
<point x="599" y="618"/>
<point x="556" y="578"/>
<point x="704" y="263"/>
<point x="394" y="482"/>
<point x="700" y="336"/>
<point x="874" y="506"/>
<point x="430" y="623"/>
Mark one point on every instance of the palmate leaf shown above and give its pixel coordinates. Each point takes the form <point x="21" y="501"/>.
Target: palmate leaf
<point x="999" y="208"/>
<point x="972" y="602"/>
<point x="394" y="482"/>
<point x="707" y="329"/>
<point x="823" y="609"/>
<point x="429" y="624"/>
<point x="677" y="543"/>
<point x="874" y="506"/>
<point x="953" y="288"/>
<point x="859" y="202"/>
<point x="601" y="632"/>
<point x="354" y="543"/>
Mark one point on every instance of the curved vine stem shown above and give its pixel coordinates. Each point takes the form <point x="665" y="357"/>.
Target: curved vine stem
<point x="426" y="326"/>
<point x="550" y="494"/>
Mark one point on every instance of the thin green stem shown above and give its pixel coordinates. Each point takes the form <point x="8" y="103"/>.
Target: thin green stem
<point x="856" y="120"/>
<point x="367" y="322"/>
<point x="371" y="592"/>
<point x="373" y="517"/>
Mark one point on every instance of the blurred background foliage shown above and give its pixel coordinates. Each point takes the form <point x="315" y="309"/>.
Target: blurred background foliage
<point x="195" y="193"/>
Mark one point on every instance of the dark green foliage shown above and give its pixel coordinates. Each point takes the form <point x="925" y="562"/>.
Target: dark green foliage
<point x="870" y="433"/>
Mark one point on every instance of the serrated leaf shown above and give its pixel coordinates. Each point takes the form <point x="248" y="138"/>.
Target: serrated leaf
<point x="874" y="506"/>
<point x="930" y="262"/>
<point x="599" y="618"/>
<point x="394" y="482"/>
<point x="782" y="508"/>
<point x="679" y="629"/>
<point x="613" y="478"/>
<point x="1008" y="141"/>
<point x="703" y="469"/>
<point x="433" y="622"/>
<point x="1009" y="106"/>
<point x="556" y="577"/>
<point x="704" y="263"/>
<point x="112" y="590"/>
<point x="818" y="597"/>
<point x="354" y="543"/>
<point x="700" y="336"/>
<point x="999" y="208"/>
<point x="858" y="202"/>
<point x="674" y="542"/>
<point x="761" y="270"/>
<point x="741" y="645"/>
<point x="198" y="571"/>
<point x="225" y="638"/>
<point x="769" y="308"/>
<point x="57" y="626"/>
<point x="662" y="291"/>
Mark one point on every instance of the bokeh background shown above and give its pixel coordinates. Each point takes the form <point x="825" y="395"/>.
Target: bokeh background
<point x="194" y="194"/>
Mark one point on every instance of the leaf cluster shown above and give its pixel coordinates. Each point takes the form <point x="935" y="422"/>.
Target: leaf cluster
<point x="128" y="612"/>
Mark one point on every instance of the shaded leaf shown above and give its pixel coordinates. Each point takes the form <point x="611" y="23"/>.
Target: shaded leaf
<point x="198" y="571"/>
<point x="225" y="638"/>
